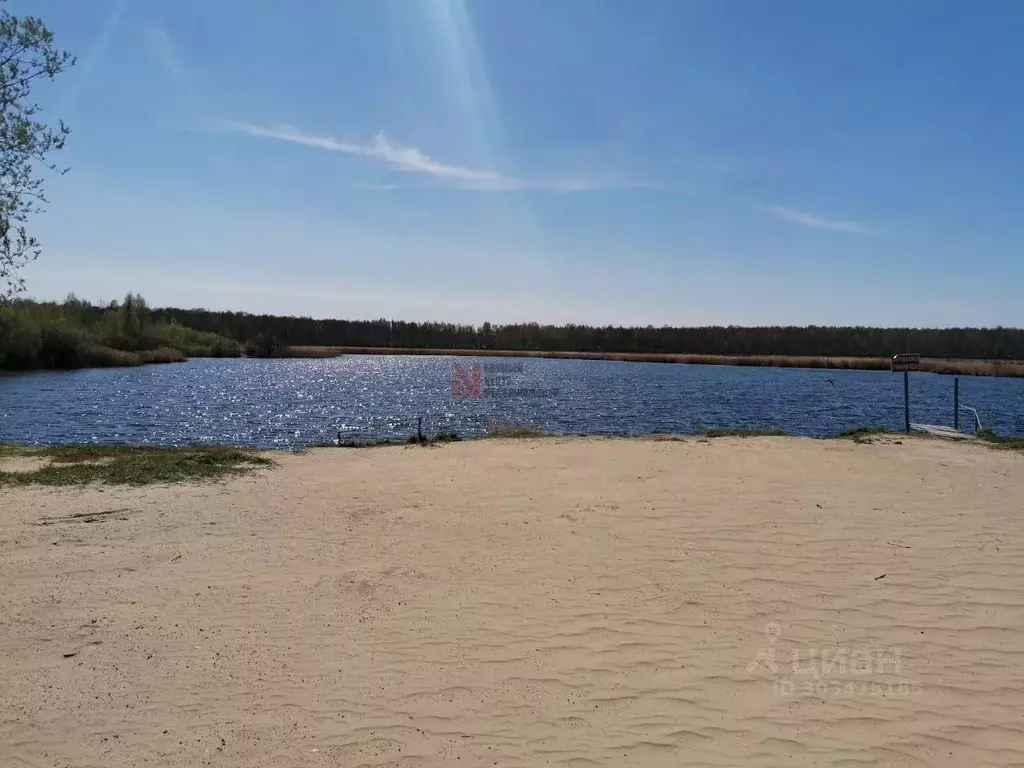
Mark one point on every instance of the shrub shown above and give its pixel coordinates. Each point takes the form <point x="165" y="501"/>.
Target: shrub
<point x="75" y="334"/>
<point x="62" y="347"/>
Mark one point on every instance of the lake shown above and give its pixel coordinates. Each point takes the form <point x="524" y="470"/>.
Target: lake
<point x="284" y="403"/>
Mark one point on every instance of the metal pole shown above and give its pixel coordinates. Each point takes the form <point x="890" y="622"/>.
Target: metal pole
<point x="906" y="399"/>
<point x="956" y="403"/>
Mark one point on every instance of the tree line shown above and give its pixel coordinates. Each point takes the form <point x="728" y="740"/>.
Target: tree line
<point x="79" y="334"/>
<point x="268" y="332"/>
<point x="76" y="333"/>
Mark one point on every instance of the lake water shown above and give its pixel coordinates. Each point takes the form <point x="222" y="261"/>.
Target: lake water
<point x="295" y="403"/>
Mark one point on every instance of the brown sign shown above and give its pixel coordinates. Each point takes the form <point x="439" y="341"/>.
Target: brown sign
<point x="909" y="361"/>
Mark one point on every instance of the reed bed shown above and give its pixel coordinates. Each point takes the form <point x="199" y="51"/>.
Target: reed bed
<point x="1010" y="368"/>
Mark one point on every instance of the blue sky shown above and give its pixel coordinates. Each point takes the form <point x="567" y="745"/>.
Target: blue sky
<point x="597" y="161"/>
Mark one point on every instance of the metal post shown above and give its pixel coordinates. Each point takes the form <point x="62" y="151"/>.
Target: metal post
<point x="419" y="429"/>
<point x="956" y="403"/>
<point x="906" y="399"/>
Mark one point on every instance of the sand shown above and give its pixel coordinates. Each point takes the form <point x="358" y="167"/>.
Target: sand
<point x="565" y="602"/>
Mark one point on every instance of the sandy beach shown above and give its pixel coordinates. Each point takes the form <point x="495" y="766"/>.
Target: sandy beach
<point x="563" y="602"/>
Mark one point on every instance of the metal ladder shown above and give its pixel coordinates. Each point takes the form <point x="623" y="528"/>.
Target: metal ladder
<point x="977" y="418"/>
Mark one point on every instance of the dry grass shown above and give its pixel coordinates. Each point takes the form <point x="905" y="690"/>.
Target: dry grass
<point x="1011" y="368"/>
<point x="515" y="431"/>
<point x="317" y="351"/>
<point x="933" y="365"/>
<point x="99" y="356"/>
<point x="740" y="432"/>
<point x="109" y="357"/>
<point x="161" y="355"/>
<point x="1001" y="441"/>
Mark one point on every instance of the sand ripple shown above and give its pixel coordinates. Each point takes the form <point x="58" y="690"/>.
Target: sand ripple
<point x="558" y="602"/>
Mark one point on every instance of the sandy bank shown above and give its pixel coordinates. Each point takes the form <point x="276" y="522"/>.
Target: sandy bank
<point x="769" y="601"/>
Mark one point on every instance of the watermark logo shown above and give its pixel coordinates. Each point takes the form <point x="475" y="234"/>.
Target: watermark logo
<point x="495" y="380"/>
<point x="841" y="671"/>
<point x="466" y="384"/>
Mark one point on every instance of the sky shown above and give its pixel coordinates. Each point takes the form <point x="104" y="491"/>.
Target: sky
<point x="665" y="162"/>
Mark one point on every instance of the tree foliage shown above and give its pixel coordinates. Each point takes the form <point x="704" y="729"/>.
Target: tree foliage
<point x="859" y="341"/>
<point x="77" y="334"/>
<point x="27" y="55"/>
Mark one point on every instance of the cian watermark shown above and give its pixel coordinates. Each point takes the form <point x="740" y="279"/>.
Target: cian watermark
<point x="495" y="380"/>
<point x="842" y="671"/>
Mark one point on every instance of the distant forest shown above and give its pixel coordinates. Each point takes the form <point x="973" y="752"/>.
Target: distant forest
<point x="269" y="332"/>
<point x="76" y="333"/>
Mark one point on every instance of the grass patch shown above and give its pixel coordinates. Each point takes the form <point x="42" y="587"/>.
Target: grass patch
<point x="1001" y="441"/>
<point x="10" y="450"/>
<point x="440" y="437"/>
<point x="130" y="465"/>
<point x="730" y="432"/>
<point x="862" y="435"/>
<point x="358" y="444"/>
<point x="515" y="431"/>
<point x="860" y="432"/>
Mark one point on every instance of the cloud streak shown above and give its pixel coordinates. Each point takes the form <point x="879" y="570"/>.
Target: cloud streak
<point x="409" y="160"/>
<point x="413" y="161"/>
<point x="816" y="222"/>
<point x="83" y="72"/>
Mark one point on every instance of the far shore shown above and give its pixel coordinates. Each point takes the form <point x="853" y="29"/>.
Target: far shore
<point x="1010" y="368"/>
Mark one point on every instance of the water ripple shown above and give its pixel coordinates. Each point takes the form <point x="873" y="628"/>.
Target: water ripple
<point x="295" y="403"/>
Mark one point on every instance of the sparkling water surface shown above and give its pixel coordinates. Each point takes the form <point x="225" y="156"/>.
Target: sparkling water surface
<point x="298" y="403"/>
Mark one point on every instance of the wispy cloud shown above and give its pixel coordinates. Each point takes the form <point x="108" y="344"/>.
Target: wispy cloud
<point x="376" y="187"/>
<point x="413" y="161"/>
<point x="816" y="222"/>
<point x="163" y="51"/>
<point x="83" y="72"/>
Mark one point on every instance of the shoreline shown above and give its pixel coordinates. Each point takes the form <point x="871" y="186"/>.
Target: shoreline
<point x="90" y="464"/>
<point x="942" y="366"/>
<point x="1008" y="368"/>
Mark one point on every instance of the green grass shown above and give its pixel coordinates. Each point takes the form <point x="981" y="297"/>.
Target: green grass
<point x="10" y="450"/>
<point x="729" y="432"/>
<point x="70" y="465"/>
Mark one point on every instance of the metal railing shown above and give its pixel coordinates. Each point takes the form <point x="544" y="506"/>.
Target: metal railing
<point x="977" y="418"/>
